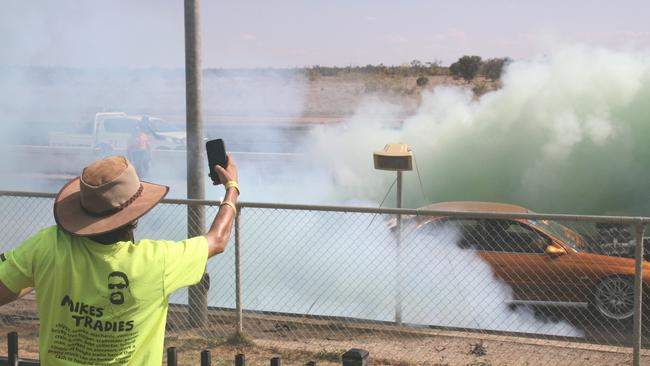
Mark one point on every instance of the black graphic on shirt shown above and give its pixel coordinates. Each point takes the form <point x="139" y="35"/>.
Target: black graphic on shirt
<point x="118" y="283"/>
<point x="92" y="317"/>
<point x="97" y="333"/>
<point x="92" y="336"/>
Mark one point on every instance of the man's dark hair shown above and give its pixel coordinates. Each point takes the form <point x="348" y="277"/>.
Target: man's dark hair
<point x="125" y="233"/>
<point x="120" y="274"/>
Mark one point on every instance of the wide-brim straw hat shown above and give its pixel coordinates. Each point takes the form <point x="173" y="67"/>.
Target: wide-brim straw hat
<point x="107" y="196"/>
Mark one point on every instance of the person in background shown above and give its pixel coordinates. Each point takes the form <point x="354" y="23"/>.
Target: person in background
<point x="102" y="296"/>
<point x="139" y="149"/>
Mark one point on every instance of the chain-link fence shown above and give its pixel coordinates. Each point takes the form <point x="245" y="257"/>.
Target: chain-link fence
<point x="464" y="283"/>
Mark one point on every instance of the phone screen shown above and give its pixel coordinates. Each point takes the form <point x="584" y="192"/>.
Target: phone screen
<point x="216" y="151"/>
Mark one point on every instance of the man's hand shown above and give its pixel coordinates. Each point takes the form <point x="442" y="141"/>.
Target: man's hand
<point x="229" y="173"/>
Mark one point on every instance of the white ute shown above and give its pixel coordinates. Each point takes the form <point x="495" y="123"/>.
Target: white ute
<point x="110" y="132"/>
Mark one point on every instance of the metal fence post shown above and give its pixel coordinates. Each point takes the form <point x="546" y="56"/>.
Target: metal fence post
<point x="198" y="294"/>
<point x="238" y="290"/>
<point x="638" y="293"/>
<point x="12" y="349"/>
<point x="275" y="361"/>
<point x="171" y="356"/>
<point x="355" y="357"/>
<point x="398" y="254"/>
<point x="240" y="360"/>
<point x="206" y="359"/>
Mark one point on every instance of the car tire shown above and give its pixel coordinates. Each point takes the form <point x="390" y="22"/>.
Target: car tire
<point x="614" y="298"/>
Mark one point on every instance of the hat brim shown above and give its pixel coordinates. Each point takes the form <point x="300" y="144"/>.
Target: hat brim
<point x="72" y="218"/>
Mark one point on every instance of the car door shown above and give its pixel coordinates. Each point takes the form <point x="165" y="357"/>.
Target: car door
<point x="516" y="253"/>
<point x="117" y="131"/>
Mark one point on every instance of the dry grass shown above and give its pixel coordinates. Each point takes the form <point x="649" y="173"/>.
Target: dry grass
<point x="341" y="95"/>
<point x="298" y="340"/>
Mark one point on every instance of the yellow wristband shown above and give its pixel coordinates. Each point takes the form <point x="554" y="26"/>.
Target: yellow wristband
<point x="232" y="184"/>
<point x="228" y="203"/>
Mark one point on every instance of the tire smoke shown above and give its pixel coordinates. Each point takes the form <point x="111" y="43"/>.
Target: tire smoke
<point x="566" y="132"/>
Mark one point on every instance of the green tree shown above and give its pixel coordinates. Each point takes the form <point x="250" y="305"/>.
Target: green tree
<point x="466" y="67"/>
<point x="493" y="68"/>
<point x="416" y="64"/>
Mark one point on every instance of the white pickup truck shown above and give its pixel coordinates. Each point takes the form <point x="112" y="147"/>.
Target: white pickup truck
<point x="110" y="132"/>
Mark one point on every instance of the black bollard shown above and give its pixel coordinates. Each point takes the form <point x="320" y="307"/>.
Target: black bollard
<point x="206" y="359"/>
<point x="355" y="357"/>
<point x="12" y="349"/>
<point x="275" y="361"/>
<point x="240" y="360"/>
<point x="311" y="363"/>
<point x="171" y="356"/>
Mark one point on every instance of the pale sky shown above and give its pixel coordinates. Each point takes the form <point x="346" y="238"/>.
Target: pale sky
<point x="288" y="33"/>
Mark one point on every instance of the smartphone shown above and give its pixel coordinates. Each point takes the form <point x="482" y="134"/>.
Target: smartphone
<point x="216" y="151"/>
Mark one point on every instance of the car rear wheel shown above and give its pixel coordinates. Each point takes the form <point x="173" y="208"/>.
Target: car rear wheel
<point x="614" y="297"/>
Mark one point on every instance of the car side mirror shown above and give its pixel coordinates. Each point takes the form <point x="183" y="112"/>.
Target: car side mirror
<point x="554" y="251"/>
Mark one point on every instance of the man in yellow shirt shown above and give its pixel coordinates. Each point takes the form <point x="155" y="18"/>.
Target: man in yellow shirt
<point x="102" y="297"/>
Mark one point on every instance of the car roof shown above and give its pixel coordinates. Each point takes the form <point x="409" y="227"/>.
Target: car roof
<point x="469" y="206"/>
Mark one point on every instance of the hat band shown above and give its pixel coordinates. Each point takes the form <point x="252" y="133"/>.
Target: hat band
<point x="115" y="210"/>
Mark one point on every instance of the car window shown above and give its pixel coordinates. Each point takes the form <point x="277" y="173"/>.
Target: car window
<point x="500" y="236"/>
<point x="451" y="231"/>
<point x="524" y="239"/>
<point x="494" y="235"/>
<point x="471" y="232"/>
<point x="159" y="125"/>
<point x="568" y="236"/>
<point x="120" y="125"/>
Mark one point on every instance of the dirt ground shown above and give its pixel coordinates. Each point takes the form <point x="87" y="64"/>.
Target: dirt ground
<point x="341" y="95"/>
<point x="298" y="340"/>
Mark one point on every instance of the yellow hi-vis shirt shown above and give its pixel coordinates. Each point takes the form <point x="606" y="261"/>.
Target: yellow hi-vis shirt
<point x="102" y="304"/>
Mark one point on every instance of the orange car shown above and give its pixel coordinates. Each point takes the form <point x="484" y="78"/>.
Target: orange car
<point x="543" y="261"/>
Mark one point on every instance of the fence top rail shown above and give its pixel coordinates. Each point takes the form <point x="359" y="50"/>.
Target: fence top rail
<point x="640" y="220"/>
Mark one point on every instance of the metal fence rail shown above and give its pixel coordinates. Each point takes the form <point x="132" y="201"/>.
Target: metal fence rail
<point x="294" y="275"/>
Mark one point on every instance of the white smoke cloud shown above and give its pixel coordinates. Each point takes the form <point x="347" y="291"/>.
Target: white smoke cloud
<point x="449" y="286"/>
<point x="537" y="141"/>
<point x="333" y="264"/>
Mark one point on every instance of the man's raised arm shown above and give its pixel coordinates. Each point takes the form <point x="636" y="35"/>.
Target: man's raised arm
<point x="219" y="234"/>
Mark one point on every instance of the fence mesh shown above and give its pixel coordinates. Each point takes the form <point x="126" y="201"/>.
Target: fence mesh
<point x="423" y="290"/>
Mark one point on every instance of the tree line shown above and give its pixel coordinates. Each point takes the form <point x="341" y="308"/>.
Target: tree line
<point x="467" y="67"/>
<point x="414" y="68"/>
